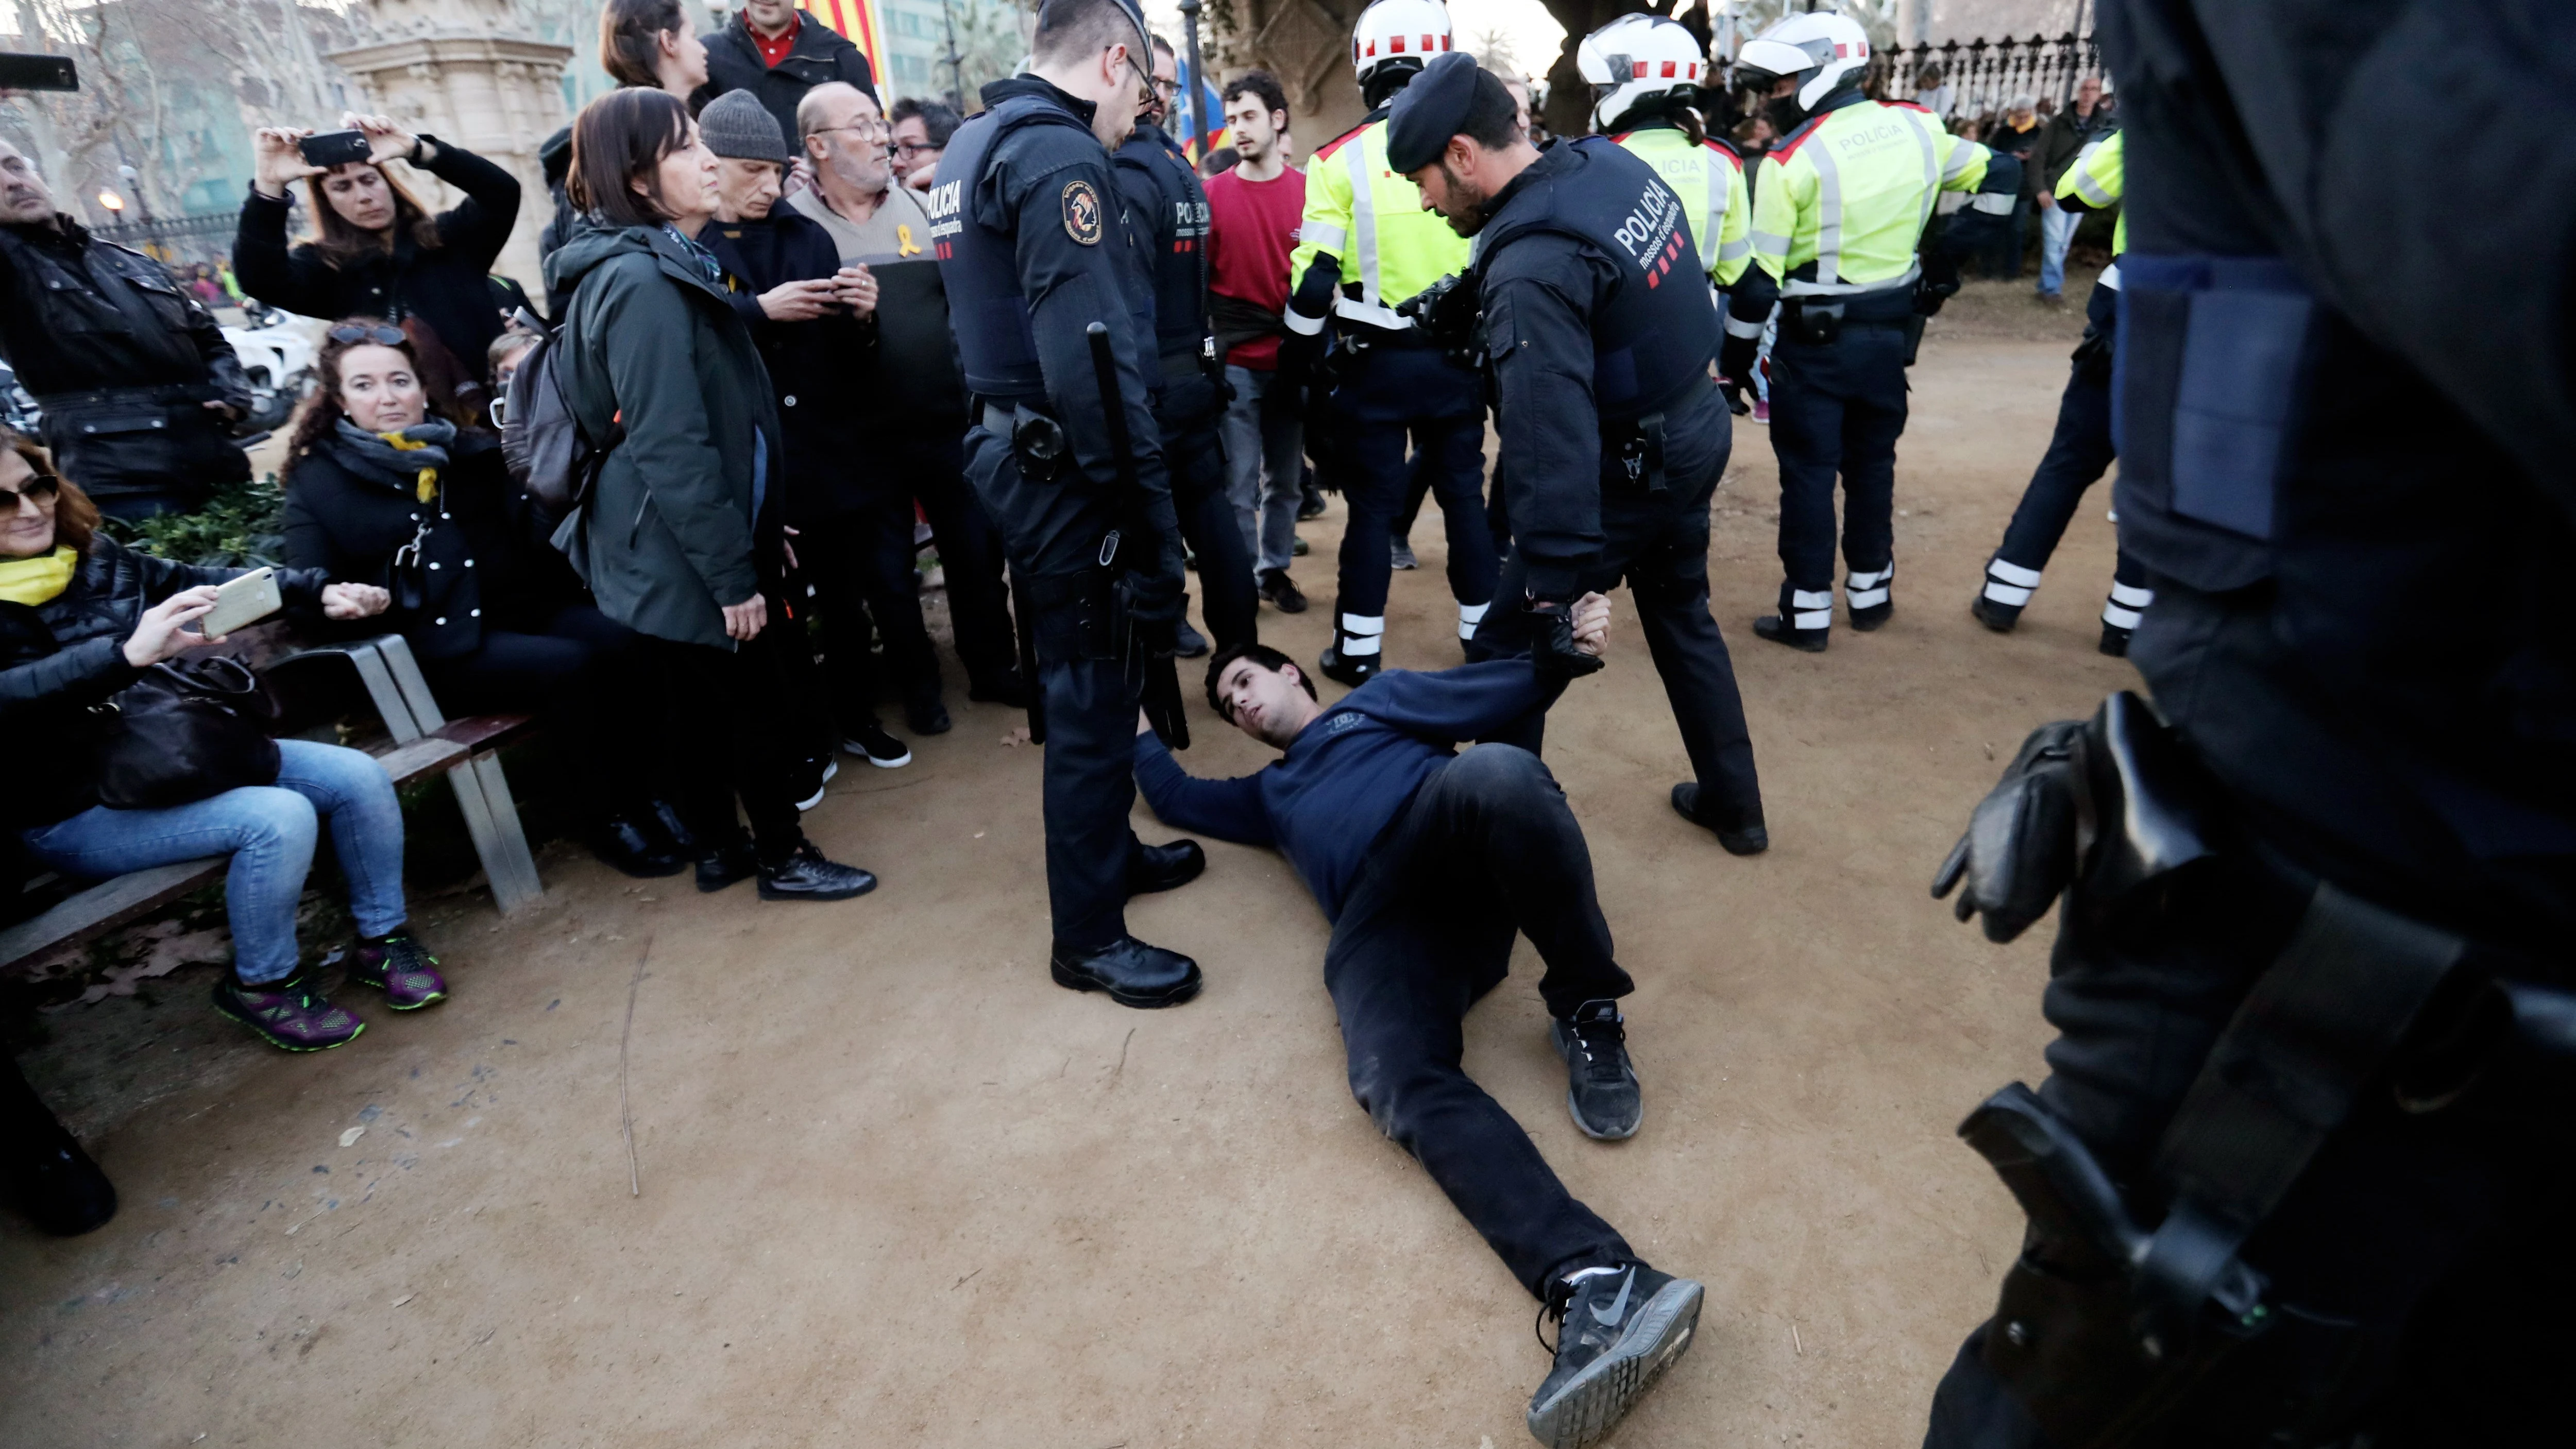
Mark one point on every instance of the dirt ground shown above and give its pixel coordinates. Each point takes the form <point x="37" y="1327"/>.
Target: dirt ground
<point x="897" y="1189"/>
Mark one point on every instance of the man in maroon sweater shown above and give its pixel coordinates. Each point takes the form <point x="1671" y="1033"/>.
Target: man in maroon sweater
<point x="1254" y="211"/>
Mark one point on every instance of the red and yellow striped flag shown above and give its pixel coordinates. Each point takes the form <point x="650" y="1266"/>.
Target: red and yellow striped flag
<point x="861" y="21"/>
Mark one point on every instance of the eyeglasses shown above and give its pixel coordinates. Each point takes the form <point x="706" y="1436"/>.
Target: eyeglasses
<point x="910" y="149"/>
<point x="1164" y="87"/>
<point x="354" y="333"/>
<point x="41" y="489"/>
<point x="874" y="130"/>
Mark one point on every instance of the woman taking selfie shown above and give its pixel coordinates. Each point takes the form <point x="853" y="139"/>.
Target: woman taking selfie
<point x="82" y="618"/>
<point x="380" y="491"/>
<point x="376" y="252"/>
<point x="680" y="537"/>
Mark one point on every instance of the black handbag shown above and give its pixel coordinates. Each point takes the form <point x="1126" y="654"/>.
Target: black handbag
<point x="188" y="730"/>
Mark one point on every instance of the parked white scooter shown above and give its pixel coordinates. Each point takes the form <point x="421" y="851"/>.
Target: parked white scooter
<point x="279" y="351"/>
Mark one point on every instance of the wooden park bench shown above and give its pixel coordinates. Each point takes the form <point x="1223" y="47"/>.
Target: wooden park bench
<point x="421" y="742"/>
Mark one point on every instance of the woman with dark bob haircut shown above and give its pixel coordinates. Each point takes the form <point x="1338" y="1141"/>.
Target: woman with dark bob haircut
<point x="680" y="538"/>
<point x="81" y="617"/>
<point x="381" y="490"/>
<point x="376" y="251"/>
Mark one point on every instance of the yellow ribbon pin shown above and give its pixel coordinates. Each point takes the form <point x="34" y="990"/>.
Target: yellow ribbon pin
<point x="904" y="244"/>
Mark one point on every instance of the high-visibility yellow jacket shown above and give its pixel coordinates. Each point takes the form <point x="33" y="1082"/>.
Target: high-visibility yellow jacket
<point x="1369" y="221"/>
<point x="2098" y="177"/>
<point x="1842" y="201"/>
<point x="1709" y="178"/>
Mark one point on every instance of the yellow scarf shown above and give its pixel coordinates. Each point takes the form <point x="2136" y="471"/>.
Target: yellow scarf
<point x="428" y="480"/>
<point x="33" y="581"/>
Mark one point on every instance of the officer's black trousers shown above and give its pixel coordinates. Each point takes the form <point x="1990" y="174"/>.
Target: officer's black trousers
<point x="1658" y="544"/>
<point x="1191" y="414"/>
<point x="1486" y="846"/>
<point x="1837" y="409"/>
<point x="2079" y="453"/>
<point x="2442" y="1240"/>
<point x="1090" y="700"/>
<point x="1387" y="396"/>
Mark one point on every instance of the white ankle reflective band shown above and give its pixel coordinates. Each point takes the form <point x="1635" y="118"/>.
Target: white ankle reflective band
<point x="1876" y="579"/>
<point x="2012" y="573"/>
<point x="1821" y="619"/>
<point x="1472" y="613"/>
<point x="1811" y="599"/>
<point x="1867" y="598"/>
<point x="1363" y="624"/>
<point x="2003" y="593"/>
<point x="2119" y="618"/>
<point x="2132" y="596"/>
<point x="1356" y="644"/>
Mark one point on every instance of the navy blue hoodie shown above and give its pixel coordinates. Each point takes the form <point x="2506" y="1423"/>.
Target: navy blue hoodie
<point x="1349" y="773"/>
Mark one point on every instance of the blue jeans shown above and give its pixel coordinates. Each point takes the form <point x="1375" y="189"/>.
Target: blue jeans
<point x="2056" y="233"/>
<point x="269" y="831"/>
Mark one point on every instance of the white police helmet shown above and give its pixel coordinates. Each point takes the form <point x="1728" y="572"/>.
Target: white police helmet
<point x="1410" y="32"/>
<point x="1827" y="51"/>
<point x="1637" y="58"/>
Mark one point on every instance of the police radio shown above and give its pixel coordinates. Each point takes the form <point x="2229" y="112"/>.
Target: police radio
<point x="1447" y="312"/>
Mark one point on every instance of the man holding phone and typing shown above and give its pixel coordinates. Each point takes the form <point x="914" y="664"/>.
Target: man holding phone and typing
<point x="137" y="383"/>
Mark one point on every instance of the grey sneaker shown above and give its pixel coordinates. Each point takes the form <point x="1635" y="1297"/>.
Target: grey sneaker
<point x="1600" y="1083"/>
<point x="1400" y="554"/>
<point x="1618" y="1329"/>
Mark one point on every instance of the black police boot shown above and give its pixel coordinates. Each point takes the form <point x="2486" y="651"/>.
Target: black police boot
<point x="42" y="1169"/>
<point x="1872" y="597"/>
<point x="1618" y="1329"/>
<point x="1002" y="688"/>
<point x="2007" y="592"/>
<point x="634" y="843"/>
<point x="723" y="864"/>
<point x="1154" y="868"/>
<point x="2115" y="641"/>
<point x="806" y="876"/>
<point x="1133" y="973"/>
<point x="924" y="713"/>
<point x="1741" y="830"/>
<point x="1805" y="620"/>
<point x="674" y="831"/>
<point x="1601" y="1087"/>
<point x="2121" y="614"/>
<point x="1339" y="663"/>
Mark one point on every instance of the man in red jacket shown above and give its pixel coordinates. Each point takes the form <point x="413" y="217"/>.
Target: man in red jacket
<point x="1254" y="211"/>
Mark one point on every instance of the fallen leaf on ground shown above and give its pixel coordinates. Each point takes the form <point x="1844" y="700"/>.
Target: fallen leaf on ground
<point x="1017" y="737"/>
<point x="352" y="1135"/>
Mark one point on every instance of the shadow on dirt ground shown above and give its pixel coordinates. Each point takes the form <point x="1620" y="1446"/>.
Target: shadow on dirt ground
<point x="896" y="1188"/>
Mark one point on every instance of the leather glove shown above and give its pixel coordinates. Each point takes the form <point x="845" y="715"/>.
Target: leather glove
<point x="2027" y="837"/>
<point x="1736" y="359"/>
<point x="1733" y="392"/>
<point x="1552" y="643"/>
<point x="1297" y="356"/>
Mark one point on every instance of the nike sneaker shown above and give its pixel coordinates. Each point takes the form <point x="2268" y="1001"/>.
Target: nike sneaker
<point x="1600" y="1082"/>
<point x="1618" y="1329"/>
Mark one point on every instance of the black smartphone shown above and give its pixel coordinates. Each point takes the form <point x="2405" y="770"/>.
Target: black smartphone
<point x="335" y="148"/>
<point x="21" y="72"/>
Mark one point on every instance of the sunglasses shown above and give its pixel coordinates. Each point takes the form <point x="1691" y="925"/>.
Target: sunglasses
<point x="351" y="332"/>
<point x="42" y="487"/>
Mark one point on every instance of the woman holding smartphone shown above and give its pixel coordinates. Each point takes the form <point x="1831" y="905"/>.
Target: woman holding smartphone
<point x="81" y="618"/>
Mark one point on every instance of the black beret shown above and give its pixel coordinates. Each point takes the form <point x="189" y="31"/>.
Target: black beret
<point x="1429" y="110"/>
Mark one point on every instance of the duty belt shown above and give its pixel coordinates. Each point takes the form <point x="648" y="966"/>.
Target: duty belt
<point x="163" y="395"/>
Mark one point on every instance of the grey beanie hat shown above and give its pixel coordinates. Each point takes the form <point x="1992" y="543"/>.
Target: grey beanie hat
<point x="736" y="124"/>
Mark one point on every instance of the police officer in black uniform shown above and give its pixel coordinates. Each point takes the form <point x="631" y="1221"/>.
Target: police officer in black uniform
<point x="1035" y="245"/>
<point x="1171" y="214"/>
<point x="1598" y="328"/>
<point x="2301" y="1172"/>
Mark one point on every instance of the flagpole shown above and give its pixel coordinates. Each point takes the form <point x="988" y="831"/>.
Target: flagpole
<point x="1199" y="127"/>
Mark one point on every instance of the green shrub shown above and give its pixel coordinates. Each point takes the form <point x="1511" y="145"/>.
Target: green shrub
<point x="242" y="526"/>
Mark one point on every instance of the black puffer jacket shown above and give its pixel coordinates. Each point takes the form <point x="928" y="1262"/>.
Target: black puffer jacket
<point x="819" y="54"/>
<point x="62" y="656"/>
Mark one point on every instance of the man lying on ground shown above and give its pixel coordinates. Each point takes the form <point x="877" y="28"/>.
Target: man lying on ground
<point x="1426" y="861"/>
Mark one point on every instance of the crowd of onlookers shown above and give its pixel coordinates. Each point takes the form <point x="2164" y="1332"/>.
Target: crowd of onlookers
<point x="2046" y="138"/>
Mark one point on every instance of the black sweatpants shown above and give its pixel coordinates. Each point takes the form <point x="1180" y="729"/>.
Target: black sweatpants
<point x="585" y="676"/>
<point x="1191" y="414"/>
<point x="1658" y="544"/>
<point x="1487" y="846"/>
<point x="733" y="715"/>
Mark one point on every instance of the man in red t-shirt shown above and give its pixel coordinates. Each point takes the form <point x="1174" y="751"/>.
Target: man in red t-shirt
<point x="1254" y="211"/>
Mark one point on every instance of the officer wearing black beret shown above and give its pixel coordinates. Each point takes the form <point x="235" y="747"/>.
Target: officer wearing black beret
<point x="1035" y="245"/>
<point x="1597" y="331"/>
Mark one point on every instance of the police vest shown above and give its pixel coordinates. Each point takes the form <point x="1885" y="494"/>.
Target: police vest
<point x="1709" y="178"/>
<point x="1174" y="235"/>
<point x="980" y="265"/>
<point x="1655" y="337"/>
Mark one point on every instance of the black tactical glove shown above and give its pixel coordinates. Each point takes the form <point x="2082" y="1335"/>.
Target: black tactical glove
<point x="2027" y="837"/>
<point x="1736" y="359"/>
<point x="1552" y="643"/>
<point x="1733" y="392"/>
<point x="1298" y="354"/>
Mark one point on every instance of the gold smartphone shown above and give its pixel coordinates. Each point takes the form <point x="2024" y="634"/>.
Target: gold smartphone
<point x="239" y="601"/>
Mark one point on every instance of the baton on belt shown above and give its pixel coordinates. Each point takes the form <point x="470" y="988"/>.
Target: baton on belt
<point x="1161" y="688"/>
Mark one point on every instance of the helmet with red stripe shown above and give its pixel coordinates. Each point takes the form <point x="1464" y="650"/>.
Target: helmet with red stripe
<point x="1828" y="53"/>
<point x="1637" y="59"/>
<point x="1403" y="34"/>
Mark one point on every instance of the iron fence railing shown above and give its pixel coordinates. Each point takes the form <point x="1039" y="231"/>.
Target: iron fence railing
<point x="141" y="233"/>
<point x="1982" y="76"/>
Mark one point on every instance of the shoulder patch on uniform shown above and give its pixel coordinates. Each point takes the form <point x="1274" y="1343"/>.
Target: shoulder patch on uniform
<point x="1734" y="157"/>
<point x="1082" y="212"/>
<point x="1790" y="143"/>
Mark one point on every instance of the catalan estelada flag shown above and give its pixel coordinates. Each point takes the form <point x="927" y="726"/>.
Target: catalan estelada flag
<point x="861" y="22"/>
